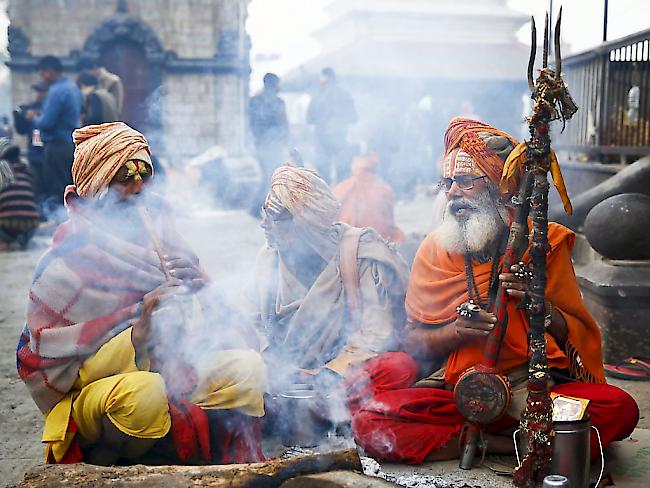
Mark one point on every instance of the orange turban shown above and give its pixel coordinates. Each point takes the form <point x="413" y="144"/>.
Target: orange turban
<point x="488" y="147"/>
<point x="367" y="163"/>
<point x="497" y="154"/>
<point x="101" y="151"/>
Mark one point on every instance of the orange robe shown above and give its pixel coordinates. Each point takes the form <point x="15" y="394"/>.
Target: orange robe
<point x="366" y="201"/>
<point x="438" y="285"/>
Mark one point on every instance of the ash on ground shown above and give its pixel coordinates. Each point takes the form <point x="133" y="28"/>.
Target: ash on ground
<point x="332" y="442"/>
<point x="414" y="480"/>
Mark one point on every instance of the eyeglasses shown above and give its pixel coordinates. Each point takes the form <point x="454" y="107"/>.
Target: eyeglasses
<point x="275" y="216"/>
<point x="464" y="182"/>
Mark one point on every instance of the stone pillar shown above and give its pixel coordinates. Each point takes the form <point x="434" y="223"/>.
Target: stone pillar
<point x="231" y="93"/>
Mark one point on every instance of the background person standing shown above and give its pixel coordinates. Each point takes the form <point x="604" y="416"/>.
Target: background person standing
<point x="107" y="80"/>
<point x="270" y="128"/>
<point x="59" y="117"/>
<point x="330" y="112"/>
<point x="100" y="106"/>
<point x="26" y="128"/>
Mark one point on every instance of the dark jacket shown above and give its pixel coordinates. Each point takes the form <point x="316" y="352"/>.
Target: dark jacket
<point x="331" y="110"/>
<point x="26" y="128"/>
<point x="100" y="108"/>
<point x="268" y="119"/>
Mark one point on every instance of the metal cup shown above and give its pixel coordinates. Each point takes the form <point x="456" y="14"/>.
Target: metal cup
<point x="571" y="451"/>
<point x="302" y="427"/>
<point x="556" y="481"/>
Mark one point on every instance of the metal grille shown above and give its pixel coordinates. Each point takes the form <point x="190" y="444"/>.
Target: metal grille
<point x="611" y="85"/>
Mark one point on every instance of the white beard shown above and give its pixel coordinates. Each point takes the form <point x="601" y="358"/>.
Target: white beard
<point x="477" y="232"/>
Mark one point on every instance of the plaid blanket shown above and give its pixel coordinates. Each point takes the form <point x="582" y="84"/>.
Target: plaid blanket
<point x="87" y="288"/>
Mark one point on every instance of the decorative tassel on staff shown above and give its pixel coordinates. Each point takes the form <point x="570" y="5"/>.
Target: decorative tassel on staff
<point x="552" y="101"/>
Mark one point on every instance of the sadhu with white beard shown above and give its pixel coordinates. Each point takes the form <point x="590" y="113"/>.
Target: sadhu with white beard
<point x="87" y="352"/>
<point x="327" y="298"/>
<point x="459" y="261"/>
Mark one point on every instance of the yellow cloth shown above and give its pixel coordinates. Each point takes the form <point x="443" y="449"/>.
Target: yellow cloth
<point x="101" y="151"/>
<point x="235" y="379"/>
<point x="109" y="383"/>
<point x="514" y="166"/>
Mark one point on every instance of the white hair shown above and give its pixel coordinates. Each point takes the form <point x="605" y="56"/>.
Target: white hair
<point x="478" y="232"/>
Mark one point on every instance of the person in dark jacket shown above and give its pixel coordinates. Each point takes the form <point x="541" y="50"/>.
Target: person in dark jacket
<point x="270" y="128"/>
<point x="58" y="118"/>
<point x="100" y="106"/>
<point x="331" y="111"/>
<point x="26" y="128"/>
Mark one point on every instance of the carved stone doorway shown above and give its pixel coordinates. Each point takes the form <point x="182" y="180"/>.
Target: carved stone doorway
<point x="128" y="60"/>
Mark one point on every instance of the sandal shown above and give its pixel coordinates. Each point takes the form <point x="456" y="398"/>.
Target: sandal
<point x="634" y="368"/>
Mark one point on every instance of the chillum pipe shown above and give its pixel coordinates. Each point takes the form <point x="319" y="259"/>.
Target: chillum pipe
<point x="157" y="246"/>
<point x="517" y="241"/>
<point x="151" y="233"/>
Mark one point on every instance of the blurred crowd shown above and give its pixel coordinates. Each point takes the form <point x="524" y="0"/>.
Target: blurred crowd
<point x="32" y="183"/>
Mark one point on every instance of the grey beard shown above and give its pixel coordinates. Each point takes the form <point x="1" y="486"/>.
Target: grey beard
<point x="478" y="233"/>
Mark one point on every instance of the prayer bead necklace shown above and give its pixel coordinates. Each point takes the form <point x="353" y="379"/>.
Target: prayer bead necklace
<point x="472" y="289"/>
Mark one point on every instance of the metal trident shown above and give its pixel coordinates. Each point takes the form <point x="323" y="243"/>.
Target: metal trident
<point x="551" y="102"/>
<point x="549" y="89"/>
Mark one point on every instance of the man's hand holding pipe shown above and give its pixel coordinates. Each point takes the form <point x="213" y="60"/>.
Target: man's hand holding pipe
<point x="186" y="271"/>
<point x="142" y="326"/>
<point x="440" y="341"/>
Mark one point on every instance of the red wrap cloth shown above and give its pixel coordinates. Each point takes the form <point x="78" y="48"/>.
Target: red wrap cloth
<point x="402" y="424"/>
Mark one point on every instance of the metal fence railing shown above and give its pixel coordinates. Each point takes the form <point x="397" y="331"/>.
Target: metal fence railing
<point x="611" y="85"/>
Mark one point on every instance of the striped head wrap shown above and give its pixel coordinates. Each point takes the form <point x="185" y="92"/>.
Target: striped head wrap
<point x="305" y="195"/>
<point x="101" y="151"/>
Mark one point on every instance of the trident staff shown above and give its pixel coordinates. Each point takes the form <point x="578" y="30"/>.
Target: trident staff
<point x="552" y="101"/>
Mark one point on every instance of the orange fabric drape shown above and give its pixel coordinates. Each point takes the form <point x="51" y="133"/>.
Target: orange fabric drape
<point x="366" y="201"/>
<point x="438" y="285"/>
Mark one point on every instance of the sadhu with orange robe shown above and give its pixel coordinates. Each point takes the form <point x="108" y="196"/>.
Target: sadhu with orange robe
<point x="412" y="421"/>
<point x="367" y="201"/>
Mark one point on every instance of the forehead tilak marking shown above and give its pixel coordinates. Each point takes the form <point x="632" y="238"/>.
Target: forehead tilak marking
<point x="458" y="162"/>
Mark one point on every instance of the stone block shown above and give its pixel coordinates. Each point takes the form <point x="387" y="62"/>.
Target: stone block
<point x="617" y="294"/>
